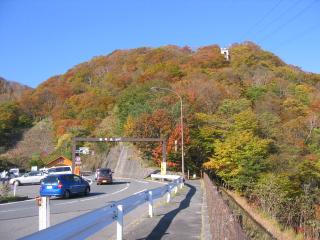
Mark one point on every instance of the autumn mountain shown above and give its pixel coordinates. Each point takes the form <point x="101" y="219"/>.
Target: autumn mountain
<point x="11" y="90"/>
<point x="116" y="88"/>
<point x="253" y="121"/>
<point x="12" y="118"/>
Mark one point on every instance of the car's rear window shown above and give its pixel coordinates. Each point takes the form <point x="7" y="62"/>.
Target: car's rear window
<point x="68" y="178"/>
<point x="104" y="172"/>
<point x="51" y="179"/>
<point x="60" y="169"/>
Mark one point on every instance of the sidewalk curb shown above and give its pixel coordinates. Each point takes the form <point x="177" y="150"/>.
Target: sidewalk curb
<point x="205" y="229"/>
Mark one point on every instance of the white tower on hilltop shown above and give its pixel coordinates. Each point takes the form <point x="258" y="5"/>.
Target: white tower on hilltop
<point x="225" y="53"/>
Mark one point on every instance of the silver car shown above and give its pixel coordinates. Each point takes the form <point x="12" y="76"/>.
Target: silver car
<point x="28" y="178"/>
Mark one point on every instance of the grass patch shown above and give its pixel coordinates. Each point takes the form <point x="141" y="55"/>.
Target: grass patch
<point x="6" y="199"/>
<point x="266" y="220"/>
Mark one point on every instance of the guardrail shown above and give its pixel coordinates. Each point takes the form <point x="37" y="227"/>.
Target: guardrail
<point x="168" y="177"/>
<point x="88" y="224"/>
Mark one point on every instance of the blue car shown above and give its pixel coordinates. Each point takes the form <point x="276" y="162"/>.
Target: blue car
<point x="63" y="185"/>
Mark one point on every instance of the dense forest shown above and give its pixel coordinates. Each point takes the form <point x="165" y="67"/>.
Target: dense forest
<point x="252" y="121"/>
<point x="12" y="118"/>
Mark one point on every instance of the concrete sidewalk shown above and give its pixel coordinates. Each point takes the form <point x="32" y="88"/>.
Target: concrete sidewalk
<point x="180" y="219"/>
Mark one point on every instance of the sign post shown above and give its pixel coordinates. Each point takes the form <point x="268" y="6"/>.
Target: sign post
<point x="163" y="168"/>
<point x="78" y="160"/>
<point x="77" y="165"/>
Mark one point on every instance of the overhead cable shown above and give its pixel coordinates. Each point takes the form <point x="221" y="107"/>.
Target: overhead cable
<point x="263" y="18"/>
<point x="290" y="20"/>
<point x="279" y="16"/>
<point x="299" y="35"/>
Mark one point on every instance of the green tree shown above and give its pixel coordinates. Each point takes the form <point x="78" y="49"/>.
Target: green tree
<point x="239" y="159"/>
<point x="36" y="160"/>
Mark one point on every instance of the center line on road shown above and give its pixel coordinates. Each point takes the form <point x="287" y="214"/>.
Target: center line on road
<point x="120" y="190"/>
<point x="141" y="191"/>
<point x="17" y="202"/>
<point x="13" y="210"/>
<point x="87" y="199"/>
<point x="142" y="181"/>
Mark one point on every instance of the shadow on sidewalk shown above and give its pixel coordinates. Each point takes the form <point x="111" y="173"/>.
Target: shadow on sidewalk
<point x="160" y="230"/>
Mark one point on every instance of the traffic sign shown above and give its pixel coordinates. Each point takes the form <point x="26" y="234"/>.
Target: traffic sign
<point x="78" y="160"/>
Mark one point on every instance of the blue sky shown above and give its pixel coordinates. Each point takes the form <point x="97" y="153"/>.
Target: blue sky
<point x="42" y="38"/>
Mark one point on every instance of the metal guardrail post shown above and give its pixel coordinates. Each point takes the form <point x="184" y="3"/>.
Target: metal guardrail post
<point x="44" y="213"/>
<point x="176" y="189"/>
<point x="119" y="222"/>
<point x="168" y="194"/>
<point x="88" y="224"/>
<point x="15" y="184"/>
<point x="150" y="204"/>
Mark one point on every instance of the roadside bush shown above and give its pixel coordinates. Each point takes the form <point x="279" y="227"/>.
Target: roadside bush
<point x="4" y="190"/>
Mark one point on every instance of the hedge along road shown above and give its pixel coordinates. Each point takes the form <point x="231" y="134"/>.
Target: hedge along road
<point x="21" y="218"/>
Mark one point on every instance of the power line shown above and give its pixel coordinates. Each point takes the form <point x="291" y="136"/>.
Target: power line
<point x="263" y="18"/>
<point x="279" y="16"/>
<point x="290" y="20"/>
<point x="299" y="35"/>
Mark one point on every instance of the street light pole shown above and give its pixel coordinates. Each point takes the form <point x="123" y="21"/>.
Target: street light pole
<point x="181" y="122"/>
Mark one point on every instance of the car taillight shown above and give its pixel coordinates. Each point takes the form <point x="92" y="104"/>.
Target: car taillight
<point x="59" y="184"/>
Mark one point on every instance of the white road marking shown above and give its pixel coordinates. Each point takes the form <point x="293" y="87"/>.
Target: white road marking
<point x="71" y="202"/>
<point x="14" y="210"/>
<point x="87" y="199"/>
<point x="141" y="191"/>
<point x="2" y="204"/>
<point x="128" y="184"/>
<point x="142" y="181"/>
<point x="64" y="203"/>
<point x="92" y="198"/>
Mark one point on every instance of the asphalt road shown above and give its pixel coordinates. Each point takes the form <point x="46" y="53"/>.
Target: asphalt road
<point x="21" y="218"/>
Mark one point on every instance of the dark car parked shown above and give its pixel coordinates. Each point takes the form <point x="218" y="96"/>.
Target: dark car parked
<point x="64" y="185"/>
<point x="103" y="175"/>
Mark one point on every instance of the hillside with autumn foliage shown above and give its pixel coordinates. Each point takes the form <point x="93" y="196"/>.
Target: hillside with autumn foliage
<point x="12" y="118"/>
<point x="252" y="122"/>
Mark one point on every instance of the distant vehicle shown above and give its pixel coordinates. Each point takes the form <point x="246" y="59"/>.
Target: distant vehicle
<point x="103" y="175"/>
<point x="60" y="170"/>
<point x="44" y="169"/>
<point x="64" y="185"/>
<point x="28" y="178"/>
<point x="16" y="172"/>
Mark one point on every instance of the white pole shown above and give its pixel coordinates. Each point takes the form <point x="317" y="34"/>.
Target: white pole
<point x="120" y="222"/>
<point x="44" y="213"/>
<point x="15" y="188"/>
<point x="47" y="212"/>
<point x="150" y="204"/>
<point x="181" y="183"/>
<point x="176" y="189"/>
<point x="168" y="194"/>
<point x="40" y="216"/>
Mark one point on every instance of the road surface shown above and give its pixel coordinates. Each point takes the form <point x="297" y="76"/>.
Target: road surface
<point x="21" y="218"/>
